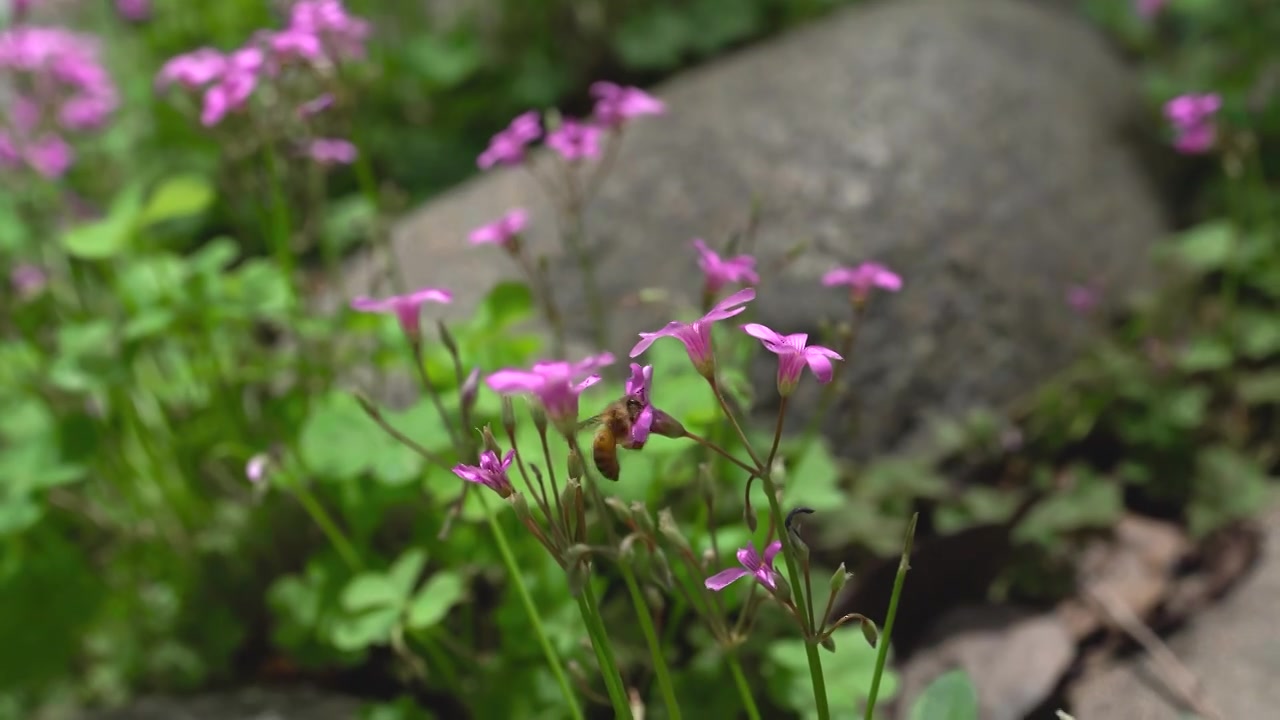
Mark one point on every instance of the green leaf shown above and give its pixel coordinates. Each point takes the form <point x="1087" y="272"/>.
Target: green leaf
<point x="1091" y="501"/>
<point x="178" y="197"/>
<point x="338" y="440"/>
<point x="371" y="590"/>
<point x="433" y="601"/>
<point x="1205" y="354"/>
<point x="349" y="221"/>
<point x="1206" y="247"/>
<point x="849" y="668"/>
<point x="110" y="236"/>
<point x="149" y="322"/>
<point x="653" y="37"/>
<point x="351" y="634"/>
<point x="1260" y="388"/>
<point x="723" y="22"/>
<point x="445" y="62"/>
<point x="1228" y="485"/>
<point x="404" y="573"/>
<point x="506" y="304"/>
<point x="951" y="696"/>
<point x="814" y="480"/>
<point x="18" y="514"/>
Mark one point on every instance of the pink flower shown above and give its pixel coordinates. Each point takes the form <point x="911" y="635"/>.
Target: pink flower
<point x="575" y="140"/>
<point x="50" y="156"/>
<point x="1192" y="118"/>
<point x="9" y="155"/>
<point x="491" y="472"/>
<point x="27" y="281"/>
<point x="332" y="151"/>
<point x="696" y="336"/>
<point x="134" y="10"/>
<point x="238" y="81"/>
<point x="638" y="386"/>
<point x="342" y="34"/>
<point x="407" y="308"/>
<point x="863" y="278"/>
<point x="193" y="70"/>
<point x="504" y="231"/>
<point x="616" y="104"/>
<point x="256" y="469"/>
<point x="295" y="44"/>
<point x="793" y="355"/>
<point x="752" y="564"/>
<point x="1147" y="9"/>
<point x="556" y="385"/>
<point x="1082" y="298"/>
<point x="720" y="272"/>
<point x="316" y="105"/>
<point x="508" y="146"/>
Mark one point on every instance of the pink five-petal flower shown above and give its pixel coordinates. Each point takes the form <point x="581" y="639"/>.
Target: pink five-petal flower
<point x="616" y="104"/>
<point x="720" y="272"/>
<point x="793" y="355"/>
<point x="696" y="335"/>
<point x="1192" y="118"/>
<point x="504" y="231"/>
<point x="638" y="386"/>
<point x="407" y="307"/>
<point x="332" y="151"/>
<point x="752" y="564"/>
<point x="556" y="385"/>
<point x="491" y="472"/>
<point x="575" y="140"/>
<point x="861" y="279"/>
<point x="507" y="147"/>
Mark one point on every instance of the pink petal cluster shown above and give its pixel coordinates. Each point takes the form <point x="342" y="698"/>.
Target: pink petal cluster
<point x="576" y="140"/>
<point x="696" y="336"/>
<point x="1192" y="118"/>
<point x="615" y="104"/>
<point x="134" y="10"/>
<point x="508" y="146"/>
<point x="505" y="231"/>
<point x="320" y="33"/>
<point x="720" y="272"/>
<point x="556" y="385"/>
<point x="332" y="151"/>
<point x="794" y="354"/>
<point x="407" y="308"/>
<point x="491" y="472"/>
<point x="1148" y="9"/>
<point x="761" y="568"/>
<point x="862" y="279"/>
<point x="27" y="281"/>
<point x="58" y="85"/>
<point x="638" y="387"/>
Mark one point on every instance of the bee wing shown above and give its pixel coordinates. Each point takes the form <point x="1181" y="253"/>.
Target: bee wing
<point x="594" y="421"/>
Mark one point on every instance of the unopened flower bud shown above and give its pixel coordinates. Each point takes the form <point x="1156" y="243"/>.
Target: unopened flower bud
<point x="829" y="644"/>
<point x="782" y="589"/>
<point x="577" y="576"/>
<point x="521" y="507"/>
<point x="575" y="465"/>
<point x="838" y="579"/>
<point x="539" y="418"/>
<point x="662" y="569"/>
<point x="666" y="426"/>
<point x="621" y="510"/>
<point x="627" y="549"/>
<point x="576" y="554"/>
<point x="667" y="526"/>
<point x="446" y="339"/>
<point x="486" y="438"/>
<point x="641" y="515"/>
<point x="469" y="390"/>
<point x="508" y="416"/>
<point x="869" y="631"/>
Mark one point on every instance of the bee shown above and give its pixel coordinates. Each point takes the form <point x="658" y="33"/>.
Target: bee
<point x="613" y="429"/>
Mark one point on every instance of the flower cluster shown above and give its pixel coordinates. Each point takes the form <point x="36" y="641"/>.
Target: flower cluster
<point x="320" y="34"/>
<point x="556" y="385"/>
<point x="59" y="85"/>
<point x="572" y="139"/>
<point x="1192" y="118"/>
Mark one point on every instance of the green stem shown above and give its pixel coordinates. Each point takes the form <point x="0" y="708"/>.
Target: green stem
<point x="589" y="607"/>
<point x="513" y="571"/>
<point x="882" y="655"/>
<point x="744" y="689"/>
<point x="788" y="554"/>
<point x="651" y="639"/>
<point x="576" y="240"/>
<point x="322" y="518"/>
<point x="280" y="222"/>
<point x="369" y="188"/>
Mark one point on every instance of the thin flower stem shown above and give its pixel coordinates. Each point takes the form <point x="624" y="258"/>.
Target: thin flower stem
<point x="539" y="285"/>
<point x="555" y="486"/>
<point x="651" y="639"/>
<point x="517" y="579"/>
<point x="882" y="655"/>
<point x="590" y="610"/>
<point x="721" y="451"/>
<point x="376" y="415"/>
<point x="788" y="554"/>
<point x="280" y="222"/>
<point x="744" y="689"/>
<point x="330" y="529"/>
<point x="777" y="433"/>
<point x="419" y="363"/>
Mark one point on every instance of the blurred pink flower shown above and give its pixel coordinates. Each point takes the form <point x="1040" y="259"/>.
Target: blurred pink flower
<point x="193" y="70"/>
<point x="27" y="281"/>
<point x="556" y="385"/>
<point x="9" y="155"/>
<point x="616" y="104"/>
<point x="508" y="146"/>
<point x="861" y="279"/>
<point x="504" y="231"/>
<point x="575" y="140"/>
<point x="696" y="336"/>
<point x="1083" y="299"/>
<point x="1192" y="118"/>
<point x="794" y="354"/>
<point x="407" y="308"/>
<point x="316" y="105"/>
<point x="332" y="151"/>
<point x="341" y="34"/>
<point x="256" y="469"/>
<point x="134" y="10"/>
<point x="49" y="156"/>
<point x="720" y="272"/>
<point x="1148" y="9"/>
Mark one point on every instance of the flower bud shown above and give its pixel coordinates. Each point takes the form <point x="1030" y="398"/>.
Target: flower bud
<point x="620" y="508"/>
<point x="539" y="415"/>
<point x="662" y="569"/>
<point x="469" y="390"/>
<point x="576" y="554"/>
<point x="667" y="526"/>
<point x="838" y="580"/>
<point x="446" y="339"/>
<point x="829" y="644"/>
<point x="666" y="426"/>
<point x="869" y="631"/>
<point x="627" y="549"/>
<point x="782" y="589"/>
<point x="575" y="465"/>
<point x="489" y="442"/>
<point x="521" y="507"/>
<point x="577" y="576"/>
<point x="643" y="522"/>
<point x="508" y="416"/>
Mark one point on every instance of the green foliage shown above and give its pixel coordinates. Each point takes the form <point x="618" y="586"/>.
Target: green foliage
<point x="951" y="696"/>
<point x="847" y="672"/>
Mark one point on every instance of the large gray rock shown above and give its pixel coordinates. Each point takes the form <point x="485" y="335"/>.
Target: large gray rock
<point x="975" y="145"/>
